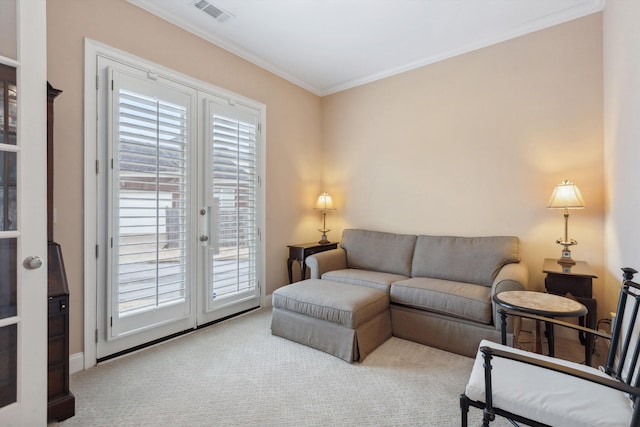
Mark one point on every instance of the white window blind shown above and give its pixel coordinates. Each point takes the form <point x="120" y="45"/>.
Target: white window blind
<point x="151" y="191"/>
<point x="234" y="192"/>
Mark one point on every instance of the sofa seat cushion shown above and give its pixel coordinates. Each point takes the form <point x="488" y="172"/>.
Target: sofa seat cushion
<point x="371" y="279"/>
<point x="463" y="300"/>
<point x="340" y="303"/>
<point x="547" y="396"/>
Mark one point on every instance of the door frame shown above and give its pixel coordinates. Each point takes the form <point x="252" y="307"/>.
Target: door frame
<point x="92" y="270"/>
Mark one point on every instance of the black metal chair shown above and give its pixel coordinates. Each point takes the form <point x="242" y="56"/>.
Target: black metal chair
<point x="543" y="391"/>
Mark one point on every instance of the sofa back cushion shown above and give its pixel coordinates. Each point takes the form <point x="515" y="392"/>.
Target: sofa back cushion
<point x="378" y="251"/>
<point x="463" y="259"/>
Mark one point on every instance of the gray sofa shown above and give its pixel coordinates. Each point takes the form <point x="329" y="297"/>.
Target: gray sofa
<point x="440" y="287"/>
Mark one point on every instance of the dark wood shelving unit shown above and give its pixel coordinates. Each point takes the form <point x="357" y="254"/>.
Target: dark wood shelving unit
<point x="61" y="402"/>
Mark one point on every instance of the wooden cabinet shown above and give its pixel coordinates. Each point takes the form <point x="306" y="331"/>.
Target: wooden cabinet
<point x="61" y="402"/>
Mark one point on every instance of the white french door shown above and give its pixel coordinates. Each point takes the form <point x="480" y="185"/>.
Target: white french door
<point x="23" y="223"/>
<point x="150" y="181"/>
<point x="230" y="239"/>
<point x="180" y="212"/>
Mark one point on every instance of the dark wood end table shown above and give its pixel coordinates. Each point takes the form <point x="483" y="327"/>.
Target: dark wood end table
<point x="539" y="304"/>
<point x="575" y="281"/>
<point x="301" y="251"/>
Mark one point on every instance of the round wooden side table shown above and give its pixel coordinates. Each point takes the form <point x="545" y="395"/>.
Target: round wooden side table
<point x="539" y="304"/>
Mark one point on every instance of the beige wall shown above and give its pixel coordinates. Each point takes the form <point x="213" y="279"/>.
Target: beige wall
<point x="621" y="37"/>
<point x="475" y="144"/>
<point x="293" y="125"/>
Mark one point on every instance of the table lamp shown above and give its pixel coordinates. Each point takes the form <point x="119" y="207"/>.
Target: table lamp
<point x="566" y="195"/>
<point x="324" y="204"/>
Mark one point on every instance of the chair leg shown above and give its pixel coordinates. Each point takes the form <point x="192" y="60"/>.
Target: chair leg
<point x="464" y="409"/>
<point x="487" y="417"/>
<point x="635" y="418"/>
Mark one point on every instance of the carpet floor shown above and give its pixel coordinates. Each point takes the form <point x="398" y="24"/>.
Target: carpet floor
<point x="236" y="373"/>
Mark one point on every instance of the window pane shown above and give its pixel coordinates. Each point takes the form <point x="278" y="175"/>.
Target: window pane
<point x="152" y="196"/>
<point x="8" y="364"/>
<point x="234" y="193"/>
<point x="8" y="278"/>
<point x="8" y="202"/>
<point x="8" y="37"/>
<point x="8" y="105"/>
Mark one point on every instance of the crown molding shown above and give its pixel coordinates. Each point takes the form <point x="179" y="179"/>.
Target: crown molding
<point x="556" y="18"/>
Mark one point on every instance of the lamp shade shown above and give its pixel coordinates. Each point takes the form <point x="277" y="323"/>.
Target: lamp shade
<point x="325" y="202"/>
<point x="566" y="195"/>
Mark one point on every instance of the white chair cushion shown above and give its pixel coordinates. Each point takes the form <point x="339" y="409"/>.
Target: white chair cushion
<point x="547" y="396"/>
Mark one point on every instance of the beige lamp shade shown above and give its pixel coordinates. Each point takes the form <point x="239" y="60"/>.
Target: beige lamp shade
<point x="566" y="195"/>
<point x="324" y="202"/>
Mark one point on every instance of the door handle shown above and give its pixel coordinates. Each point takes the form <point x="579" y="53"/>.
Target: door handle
<point x="32" y="262"/>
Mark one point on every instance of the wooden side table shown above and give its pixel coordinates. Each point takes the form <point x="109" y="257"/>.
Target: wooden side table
<point x="539" y="304"/>
<point x="301" y="251"/>
<point x="576" y="281"/>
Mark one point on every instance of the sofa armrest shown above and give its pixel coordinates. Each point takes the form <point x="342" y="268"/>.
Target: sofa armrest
<point x="335" y="259"/>
<point x="511" y="277"/>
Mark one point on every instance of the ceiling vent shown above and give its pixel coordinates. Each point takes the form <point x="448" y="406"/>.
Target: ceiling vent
<point x="215" y="12"/>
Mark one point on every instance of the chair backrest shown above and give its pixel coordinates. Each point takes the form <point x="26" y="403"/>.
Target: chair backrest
<point x="622" y="360"/>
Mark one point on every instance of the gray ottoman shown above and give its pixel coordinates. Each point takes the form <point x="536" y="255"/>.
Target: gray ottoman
<point x="347" y="321"/>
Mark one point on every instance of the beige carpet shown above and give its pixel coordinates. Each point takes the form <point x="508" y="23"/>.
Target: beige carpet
<point x="236" y="373"/>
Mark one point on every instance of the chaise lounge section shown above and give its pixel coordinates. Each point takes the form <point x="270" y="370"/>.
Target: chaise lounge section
<point x="346" y="321"/>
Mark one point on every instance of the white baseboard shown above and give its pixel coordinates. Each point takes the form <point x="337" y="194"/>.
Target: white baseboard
<point x="267" y="300"/>
<point x="76" y="363"/>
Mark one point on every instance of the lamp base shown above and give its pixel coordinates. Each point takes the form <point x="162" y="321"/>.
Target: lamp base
<point x="566" y="259"/>
<point x="323" y="239"/>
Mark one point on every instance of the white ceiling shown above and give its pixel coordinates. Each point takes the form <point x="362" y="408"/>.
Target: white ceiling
<point x="326" y="46"/>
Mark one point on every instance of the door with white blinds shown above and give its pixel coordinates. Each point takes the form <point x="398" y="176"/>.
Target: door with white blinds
<point x="181" y="207"/>
<point x="231" y="197"/>
<point x="150" y="186"/>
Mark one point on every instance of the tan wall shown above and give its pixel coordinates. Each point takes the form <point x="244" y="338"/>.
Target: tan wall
<point x="293" y="125"/>
<point x="622" y="141"/>
<point x="475" y="144"/>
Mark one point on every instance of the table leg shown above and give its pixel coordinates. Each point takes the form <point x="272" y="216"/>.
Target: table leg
<point x="503" y="326"/>
<point x="538" y="337"/>
<point x="289" y="264"/>
<point x="303" y="270"/>
<point x="588" y="350"/>
<point x="590" y="321"/>
<point x="550" y="338"/>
